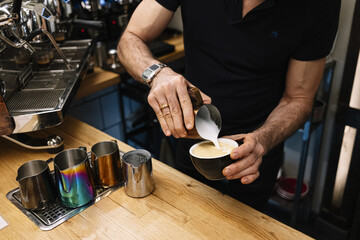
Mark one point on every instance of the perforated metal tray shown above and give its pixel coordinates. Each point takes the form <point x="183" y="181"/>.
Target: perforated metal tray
<point x="55" y="214"/>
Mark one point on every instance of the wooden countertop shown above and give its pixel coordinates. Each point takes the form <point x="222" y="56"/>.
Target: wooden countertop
<point x="101" y="79"/>
<point x="179" y="208"/>
<point x="178" y="42"/>
<point x="97" y="81"/>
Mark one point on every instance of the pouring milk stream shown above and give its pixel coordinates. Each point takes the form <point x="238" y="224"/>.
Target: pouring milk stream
<point x="207" y="127"/>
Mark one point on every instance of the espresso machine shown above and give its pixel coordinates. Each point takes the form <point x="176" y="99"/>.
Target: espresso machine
<point x="40" y="69"/>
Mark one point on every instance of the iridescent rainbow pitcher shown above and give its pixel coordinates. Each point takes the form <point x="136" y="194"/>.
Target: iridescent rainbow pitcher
<point x="73" y="178"/>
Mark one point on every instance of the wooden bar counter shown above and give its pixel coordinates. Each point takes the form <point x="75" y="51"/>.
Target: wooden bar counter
<point x="179" y="208"/>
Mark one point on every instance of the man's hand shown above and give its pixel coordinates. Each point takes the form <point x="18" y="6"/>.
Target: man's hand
<point x="172" y="105"/>
<point x="248" y="158"/>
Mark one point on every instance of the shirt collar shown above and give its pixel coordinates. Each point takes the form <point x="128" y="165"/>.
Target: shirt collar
<point x="265" y="5"/>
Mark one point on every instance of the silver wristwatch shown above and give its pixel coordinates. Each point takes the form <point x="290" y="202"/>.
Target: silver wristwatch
<point x="149" y="73"/>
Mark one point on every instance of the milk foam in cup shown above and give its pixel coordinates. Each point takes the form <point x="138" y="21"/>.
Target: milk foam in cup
<point x="208" y="150"/>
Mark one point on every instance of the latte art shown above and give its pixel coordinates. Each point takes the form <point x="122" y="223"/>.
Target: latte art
<point x="208" y="150"/>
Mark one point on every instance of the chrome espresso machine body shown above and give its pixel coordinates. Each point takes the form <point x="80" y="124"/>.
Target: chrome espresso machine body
<point x="40" y="70"/>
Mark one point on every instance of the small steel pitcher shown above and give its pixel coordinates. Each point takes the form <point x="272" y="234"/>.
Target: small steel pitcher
<point x="73" y="177"/>
<point x="36" y="184"/>
<point x="139" y="181"/>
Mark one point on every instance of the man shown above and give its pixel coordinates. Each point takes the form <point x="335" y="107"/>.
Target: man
<point x="260" y="61"/>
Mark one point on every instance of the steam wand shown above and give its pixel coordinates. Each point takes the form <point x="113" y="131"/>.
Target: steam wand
<point x="40" y="31"/>
<point x="22" y="43"/>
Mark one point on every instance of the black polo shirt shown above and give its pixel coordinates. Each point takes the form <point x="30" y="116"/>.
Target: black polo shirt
<point x="241" y="63"/>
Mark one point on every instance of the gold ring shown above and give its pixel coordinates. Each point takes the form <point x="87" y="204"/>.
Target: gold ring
<point x="164" y="106"/>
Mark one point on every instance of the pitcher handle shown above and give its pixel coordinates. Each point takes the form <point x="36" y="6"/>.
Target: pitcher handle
<point x="50" y="160"/>
<point x="83" y="148"/>
<point x="195" y="97"/>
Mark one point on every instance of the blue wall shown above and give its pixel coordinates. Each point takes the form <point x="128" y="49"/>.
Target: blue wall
<point x="102" y="111"/>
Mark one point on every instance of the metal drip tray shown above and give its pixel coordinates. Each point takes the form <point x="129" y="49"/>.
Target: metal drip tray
<point x="55" y="214"/>
<point x="42" y="93"/>
<point x="39" y="84"/>
<point x="36" y="100"/>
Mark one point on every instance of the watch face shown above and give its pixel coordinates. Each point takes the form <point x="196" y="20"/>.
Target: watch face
<point x="154" y="67"/>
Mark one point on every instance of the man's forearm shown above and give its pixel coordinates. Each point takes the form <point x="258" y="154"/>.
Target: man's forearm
<point x="134" y="55"/>
<point x="284" y="120"/>
<point x="302" y="81"/>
